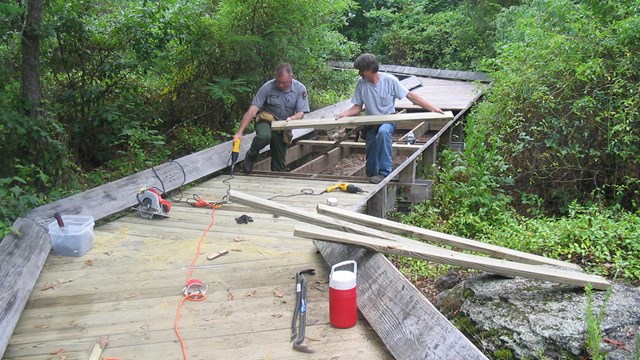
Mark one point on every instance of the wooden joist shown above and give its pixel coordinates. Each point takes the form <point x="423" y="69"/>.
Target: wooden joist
<point x="356" y="144"/>
<point x="442" y="238"/>
<point x="391" y="243"/>
<point x="355" y="121"/>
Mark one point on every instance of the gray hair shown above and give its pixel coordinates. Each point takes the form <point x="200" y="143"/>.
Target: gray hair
<point x="283" y="68"/>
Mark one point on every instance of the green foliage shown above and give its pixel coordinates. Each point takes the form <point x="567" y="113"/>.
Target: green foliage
<point x="232" y="47"/>
<point x="190" y="139"/>
<point x="594" y="324"/>
<point x="19" y="195"/>
<point x="604" y="241"/>
<point x="565" y="99"/>
<point x="414" y="269"/>
<point x="468" y="199"/>
<point x="438" y="34"/>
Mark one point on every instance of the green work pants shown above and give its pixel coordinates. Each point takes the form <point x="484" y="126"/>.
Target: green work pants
<point x="264" y="137"/>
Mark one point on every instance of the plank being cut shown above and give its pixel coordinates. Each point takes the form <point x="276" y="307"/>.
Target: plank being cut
<point x="354" y="121"/>
<point x="442" y="238"/>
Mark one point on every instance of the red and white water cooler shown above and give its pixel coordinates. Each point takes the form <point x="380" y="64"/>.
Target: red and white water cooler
<point x="343" y="306"/>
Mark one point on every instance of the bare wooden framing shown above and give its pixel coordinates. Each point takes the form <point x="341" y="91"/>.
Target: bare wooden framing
<point x="321" y="163"/>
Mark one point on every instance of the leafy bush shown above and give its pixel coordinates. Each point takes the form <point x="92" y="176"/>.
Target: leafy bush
<point x="468" y="202"/>
<point x="468" y="196"/>
<point x="565" y="102"/>
<point x="437" y="34"/>
<point x="19" y="195"/>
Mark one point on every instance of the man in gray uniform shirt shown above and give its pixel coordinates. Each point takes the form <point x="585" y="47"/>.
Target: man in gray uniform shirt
<point x="377" y="92"/>
<point x="282" y="98"/>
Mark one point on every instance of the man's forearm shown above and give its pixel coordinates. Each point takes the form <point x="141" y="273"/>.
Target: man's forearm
<point x="297" y="116"/>
<point x="352" y="111"/>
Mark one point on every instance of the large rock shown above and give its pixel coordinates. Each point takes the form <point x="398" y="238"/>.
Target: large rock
<point x="537" y="319"/>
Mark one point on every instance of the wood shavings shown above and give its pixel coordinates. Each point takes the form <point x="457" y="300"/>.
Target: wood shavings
<point x="238" y="238"/>
<point x="60" y="352"/>
<point x="47" y="286"/>
<point x="278" y="293"/>
<point x="217" y="254"/>
<point x="88" y="263"/>
<point x="229" y="296"/>
<point x="250" y="293"/>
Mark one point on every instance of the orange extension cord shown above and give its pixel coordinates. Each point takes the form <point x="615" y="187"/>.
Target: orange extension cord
<point x="193" y="297"/>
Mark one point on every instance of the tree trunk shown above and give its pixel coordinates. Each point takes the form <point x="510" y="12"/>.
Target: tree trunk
<point x="31" y="89"/>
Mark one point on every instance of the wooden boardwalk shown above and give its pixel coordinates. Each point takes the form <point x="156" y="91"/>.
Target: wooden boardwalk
<point x="126" y="291"/>
<point x="128" y="287"/>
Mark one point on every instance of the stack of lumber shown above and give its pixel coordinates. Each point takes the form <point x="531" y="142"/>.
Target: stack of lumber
<point x="346" y="227"/>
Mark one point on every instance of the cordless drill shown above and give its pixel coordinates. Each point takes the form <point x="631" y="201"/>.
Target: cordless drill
<point x="350" y="188"/>
<point x="234" y="154"/>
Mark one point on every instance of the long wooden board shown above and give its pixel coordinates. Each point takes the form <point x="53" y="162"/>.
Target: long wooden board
<point x="443" y="256"/>
<point x="500" y="267"/>
<point x="355" y="121"/>
<point x="442" y="238"/>
<point x="22" y="253"/>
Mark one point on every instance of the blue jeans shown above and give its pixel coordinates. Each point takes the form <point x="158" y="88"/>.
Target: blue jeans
<point x="378" y="150"/>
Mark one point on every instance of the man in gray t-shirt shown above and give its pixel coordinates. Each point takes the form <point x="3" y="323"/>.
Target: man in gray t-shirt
<point x="282" y="98"/>
<point x="377" y="92"/>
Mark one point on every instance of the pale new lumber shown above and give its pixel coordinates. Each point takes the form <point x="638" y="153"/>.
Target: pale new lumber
<point x="442" y="238"/>
<point x="96" y="352"/>
<point x="500" y="267"/>
<point x="355" y="121"/>
<point x="443" y="256"/>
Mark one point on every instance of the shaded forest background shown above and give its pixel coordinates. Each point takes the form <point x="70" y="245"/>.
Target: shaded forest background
<point x="91" y="91"/>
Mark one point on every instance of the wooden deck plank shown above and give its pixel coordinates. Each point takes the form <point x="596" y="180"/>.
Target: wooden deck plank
<point x="127" y="287"/>
<point x="378" y="300"/>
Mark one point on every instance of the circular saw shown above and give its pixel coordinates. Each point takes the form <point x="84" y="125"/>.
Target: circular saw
<point x="151" y="203"/>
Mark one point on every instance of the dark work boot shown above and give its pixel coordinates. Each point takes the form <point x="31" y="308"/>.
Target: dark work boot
<point x="247" y="166"/>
